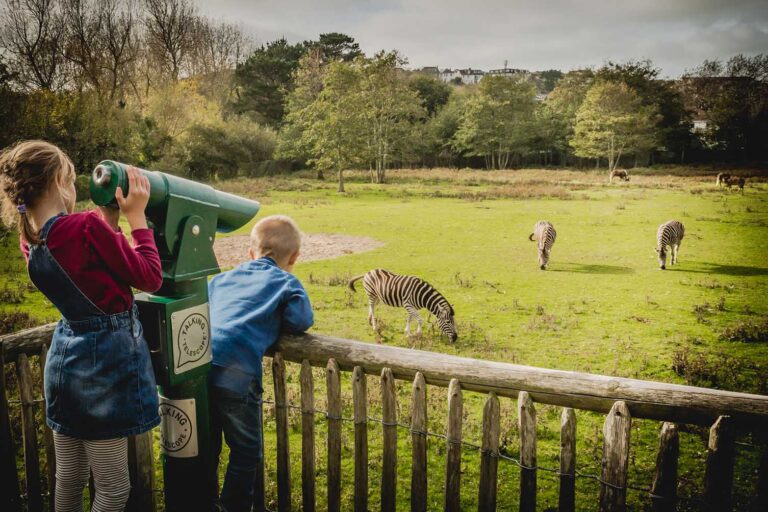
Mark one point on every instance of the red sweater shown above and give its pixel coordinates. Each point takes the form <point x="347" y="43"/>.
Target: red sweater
<point x="101" y="261"/>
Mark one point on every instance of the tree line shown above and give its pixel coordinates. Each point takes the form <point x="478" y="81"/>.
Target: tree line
<point x="156" y="83"/>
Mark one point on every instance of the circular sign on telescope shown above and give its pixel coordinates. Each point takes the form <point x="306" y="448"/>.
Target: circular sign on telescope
<point x="178" y="433"/>
<point x="191" y="338"/>
<point x="194" y="339"/>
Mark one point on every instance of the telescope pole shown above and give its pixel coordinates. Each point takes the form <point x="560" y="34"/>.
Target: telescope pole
<point x="185" y="438"/>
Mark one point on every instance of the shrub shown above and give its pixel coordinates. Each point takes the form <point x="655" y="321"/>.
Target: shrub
<point x="15" y="321"/>
<point x="720" y="371"/>
<point x="82" y="187"/>
<point x="226" y="149"/>
<point x="747" y="332"/>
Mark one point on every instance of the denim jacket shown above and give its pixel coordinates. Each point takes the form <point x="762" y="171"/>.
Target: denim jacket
<point x="250" y="306"/>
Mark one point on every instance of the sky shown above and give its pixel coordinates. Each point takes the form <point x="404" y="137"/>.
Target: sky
<point x="530" y="34"/>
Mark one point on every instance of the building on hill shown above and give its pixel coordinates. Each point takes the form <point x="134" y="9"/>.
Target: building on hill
<point x="510" y="73"/>
<point x="468" y="76"/>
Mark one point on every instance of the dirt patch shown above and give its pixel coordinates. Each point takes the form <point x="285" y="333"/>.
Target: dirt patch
<point x="233" y="250"/>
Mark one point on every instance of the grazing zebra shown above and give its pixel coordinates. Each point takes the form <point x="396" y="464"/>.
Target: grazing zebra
<point x="722" y="179"/>
<point x="622" y="174"/>
<point x="544" y="233"/>
<point x="409" y="292"/>
<point x="669" y="234"/>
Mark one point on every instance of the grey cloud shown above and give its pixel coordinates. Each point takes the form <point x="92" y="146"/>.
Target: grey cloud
<point x="563" y="34"/>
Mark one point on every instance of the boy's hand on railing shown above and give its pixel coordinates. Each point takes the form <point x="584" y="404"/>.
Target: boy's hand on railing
<point x="138" y="196"/>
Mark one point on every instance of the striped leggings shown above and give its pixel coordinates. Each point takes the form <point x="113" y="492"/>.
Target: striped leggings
<point x="75" y="458"/>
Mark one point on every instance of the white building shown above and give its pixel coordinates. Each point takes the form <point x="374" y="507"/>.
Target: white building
<point x="466" y="76"/>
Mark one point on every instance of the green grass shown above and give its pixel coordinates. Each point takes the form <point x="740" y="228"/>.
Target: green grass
<point x="602" y="307"/>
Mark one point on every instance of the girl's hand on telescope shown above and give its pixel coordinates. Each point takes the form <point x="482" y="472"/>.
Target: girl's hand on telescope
<point x="138" y="196"/>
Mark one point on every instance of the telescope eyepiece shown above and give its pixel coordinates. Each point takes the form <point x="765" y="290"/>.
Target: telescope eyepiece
<point x="102" y="176"/>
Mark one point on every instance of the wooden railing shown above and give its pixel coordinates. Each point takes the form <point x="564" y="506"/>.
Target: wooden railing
<point x="727" y="414"/>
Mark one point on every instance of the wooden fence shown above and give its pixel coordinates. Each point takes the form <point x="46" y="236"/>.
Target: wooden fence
<point x="726" y="413"/>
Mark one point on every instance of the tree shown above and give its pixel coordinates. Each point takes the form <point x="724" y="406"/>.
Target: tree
<point x="31" y="32"/>
<point x="169" y="25"/>
<point x="335" y="121"/>
<point x="336" y="46"/>
<point x="308" y="83"/>
<point x="264" y="79"/>
<point x="642" y="77"/>
<point x="389" y="108"/>
<point x="497" y="120"/>
<point x="561" y="106"/>
<point x="549" y="79"/>
<point x="734" y="98"/>
<point x="433" y="93"/>
<point x="613" y="121"/>
<point x="100" y="44"/>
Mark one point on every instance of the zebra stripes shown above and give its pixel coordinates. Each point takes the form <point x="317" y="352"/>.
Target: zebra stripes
<point x="544" y="234"/>
<point x="669" y="234"/>
<point x="409" y="292"/>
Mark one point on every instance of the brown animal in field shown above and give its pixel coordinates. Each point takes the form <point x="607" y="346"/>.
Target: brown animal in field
<point x="737" y="181"/>
<point x="622" y="174"/>
<point x="722" y="179"/>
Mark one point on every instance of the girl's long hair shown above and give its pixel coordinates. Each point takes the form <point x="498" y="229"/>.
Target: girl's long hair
<point x="27" y="170"/>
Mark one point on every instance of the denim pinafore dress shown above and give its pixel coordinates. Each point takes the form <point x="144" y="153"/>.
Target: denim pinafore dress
<point x="99" y="382"/>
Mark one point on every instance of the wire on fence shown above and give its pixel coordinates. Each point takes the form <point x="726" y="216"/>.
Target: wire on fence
<point x="499" y="455"/>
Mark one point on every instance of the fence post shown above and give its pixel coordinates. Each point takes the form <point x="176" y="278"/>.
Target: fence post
<point x="29" y="430"/>
<point x="307" y="438"/>
<point x="489" y="461"/>
<point x="389" y="433"/>
<point x="762" y="481"/>
<point x="664" y="489"/>
<point x="333" y="384"/>
<point x="142" y="470"/>
<point x="718" y="478"/>
<point x="281" y="426"/>
<point x="10" y="498"/>
<point x="50" y="451"/>
<point x="453" y="448"/>
<point x="360" y="405"/>
<point x="567" y="498"/>
<point x="616" y="432"/>
<point x="419" y="445"/>
<point x="526" y="417"/>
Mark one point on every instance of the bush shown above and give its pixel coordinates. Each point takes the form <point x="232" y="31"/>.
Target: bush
<point x="226" y="149"/>
<point x="720" y="371"/>
<point x="15" y="321"/>
<point x="82" y="187"/>
<point x="746" y="332"/>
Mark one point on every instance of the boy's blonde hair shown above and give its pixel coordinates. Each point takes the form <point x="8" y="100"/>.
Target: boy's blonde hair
<point x="276" y="236"/>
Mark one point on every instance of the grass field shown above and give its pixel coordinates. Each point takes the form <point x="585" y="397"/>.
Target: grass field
<point x="602" y="307"/>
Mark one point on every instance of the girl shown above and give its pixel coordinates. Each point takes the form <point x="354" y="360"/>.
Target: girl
<point x="99" y="385"/>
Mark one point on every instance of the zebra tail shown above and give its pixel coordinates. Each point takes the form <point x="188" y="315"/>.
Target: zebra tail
<point x="351" y="283"/>
<point x="530" y="237"/>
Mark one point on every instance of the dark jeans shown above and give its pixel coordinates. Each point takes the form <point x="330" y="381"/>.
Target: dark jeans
<point x="239" y="418"/>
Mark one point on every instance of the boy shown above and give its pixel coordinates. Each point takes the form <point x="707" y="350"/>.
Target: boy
<point x="250" y="306"/>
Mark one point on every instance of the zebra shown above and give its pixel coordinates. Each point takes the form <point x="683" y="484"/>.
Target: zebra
<point x="622" y="174"/>
<point x="544" y="233"/>
<point x="722" y="179"/>
<point x="669" y="234"/>
<point x="409" y="292"/>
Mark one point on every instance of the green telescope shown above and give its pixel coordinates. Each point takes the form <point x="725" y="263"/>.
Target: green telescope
<point x="176" y="205"/>
<point x="185" y="217"/>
